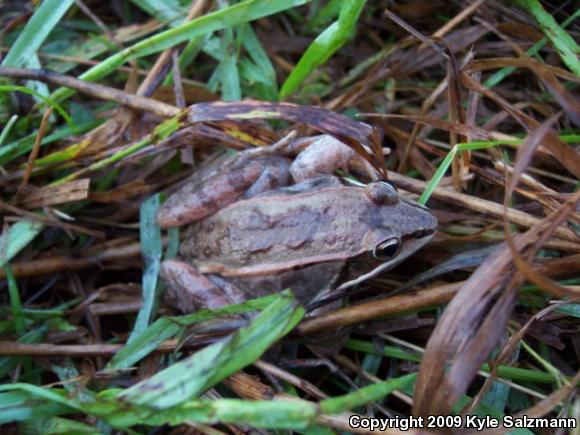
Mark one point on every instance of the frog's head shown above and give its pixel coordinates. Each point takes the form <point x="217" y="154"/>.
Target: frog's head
<point x="397" y="227"/>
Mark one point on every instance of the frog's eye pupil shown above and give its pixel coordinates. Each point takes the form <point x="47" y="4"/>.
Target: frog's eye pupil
<point x="387" y="249"/>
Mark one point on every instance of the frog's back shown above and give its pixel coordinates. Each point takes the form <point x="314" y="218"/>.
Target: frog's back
<point x="279" y="231"/>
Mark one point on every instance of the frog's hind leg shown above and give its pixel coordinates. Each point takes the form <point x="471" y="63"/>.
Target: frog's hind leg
<point x="244" y="178"/>
<point x="188" y="290"/>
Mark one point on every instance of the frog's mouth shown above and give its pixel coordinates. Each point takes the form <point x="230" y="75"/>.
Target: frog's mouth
<point x="410" y="246"/>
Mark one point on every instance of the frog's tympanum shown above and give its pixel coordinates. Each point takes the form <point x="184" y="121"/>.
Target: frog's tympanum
<point x="263" y="223"/>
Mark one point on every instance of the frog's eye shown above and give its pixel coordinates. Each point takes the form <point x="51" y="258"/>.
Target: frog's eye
<point x="387" y="249"/>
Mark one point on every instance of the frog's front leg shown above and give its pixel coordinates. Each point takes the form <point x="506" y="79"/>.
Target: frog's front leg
<point x="324" y="156"/>
<point x="189" y="290"/>
<point x="244" y="177"/>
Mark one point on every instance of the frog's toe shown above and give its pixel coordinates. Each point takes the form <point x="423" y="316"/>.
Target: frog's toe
<point x="188" y="290"/>
<point x="323" y="156"/>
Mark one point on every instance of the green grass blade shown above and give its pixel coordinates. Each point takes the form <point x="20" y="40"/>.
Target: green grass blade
<point x="446" y="163"/>
<point x="271" y="414"/>
<point x="497" y="396"/>
<point x="267" y="414"/>
<point x="438" y="176"/>
<point x="325" y="15"/>
<point x="324" y="46"/>
<point x="172" y="243"/>
<point x="257" y="53"/>
<point x="62" y="426"/>
<point x="22" y="406"/>
<point x="166" y="328"/>
<point x="189" y="53"/>
<point x="192" y="376"/>
<point x="51" y="395"/>
<point x="151" y="250"/>
<point x="256" y="70"/>
<point x="570" y="310"/>
<point x="25" y="402"/>
<point x="388" y="351"/>
<point x="365" y="395"/>
<point x="40" y="87"/>
<point x="15" y="302"/>
<point x="564" y="44"/>
<point x="17" y="237"/>
<point x="163" y="10"/>
<point x="229" y="75"/>
<point x="23" y="145"/>
<point x="240" y="13"/>
<point x="513" y="373"/>
<point x="35" y="32"/>
<point x="141" y="346"/>
<point x="316" y="429"/>
<point x="49" y="101"/>
<point x="7" y="128"/>
<point x="90" y="46"/>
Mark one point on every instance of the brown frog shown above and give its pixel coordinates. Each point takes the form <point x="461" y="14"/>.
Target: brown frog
<point x="263" y="223"/>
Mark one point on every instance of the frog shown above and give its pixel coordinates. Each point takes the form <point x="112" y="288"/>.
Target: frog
<point x="264" y="221"/>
